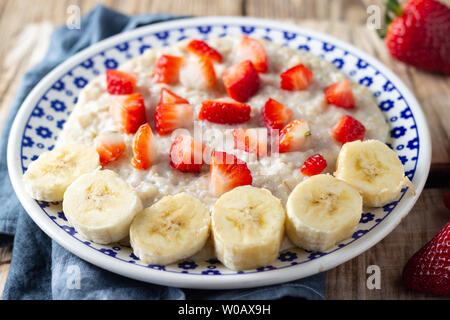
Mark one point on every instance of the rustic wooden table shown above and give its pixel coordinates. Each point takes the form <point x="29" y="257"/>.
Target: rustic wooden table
<point x="25" y="26"/>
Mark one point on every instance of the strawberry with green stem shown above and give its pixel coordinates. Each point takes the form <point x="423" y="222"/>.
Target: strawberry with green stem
<point x="417" y="33"/>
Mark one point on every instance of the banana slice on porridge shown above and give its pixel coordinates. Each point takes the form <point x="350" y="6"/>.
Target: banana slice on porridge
<point x="248" y="227"/>
<point x="174" y="228"/>
<point x="101" y="205"/>
<point x="322" y="211"/>
<point x="48" y="177"/>
<point x="373" y="169"/>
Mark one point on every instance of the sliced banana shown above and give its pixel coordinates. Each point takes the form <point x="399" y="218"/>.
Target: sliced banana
<point x="48" y="177"/>
<point x="373" y="169"/>
<point x="248" y="227"/>
<point x="101" y="206"/>
<point x="322" y="211"/>
<point x="174" y="228"/>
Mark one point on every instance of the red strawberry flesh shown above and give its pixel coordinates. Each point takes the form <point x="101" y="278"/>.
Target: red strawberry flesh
<point x="348" y="129"/>
<point x="296" y="78"/>
<point x="429" y="269"/>
<point x="143" y="148"/>
<point x="186" y="154"/>
<point x="340" y="94"/>
<point x="275" y="115"/>
<point x="129" y="112"/>
<point x="254" y="51"/>
<point x="201" y="48"/>
<point x="241" y="81"/>
<point x="120" y="82"/>
<point x="224" y="112"/>
<point x="227" y="172"/>
<point x="166" y="69"/>
<point x="314" y="165"/>
<point x="419" y="36"/>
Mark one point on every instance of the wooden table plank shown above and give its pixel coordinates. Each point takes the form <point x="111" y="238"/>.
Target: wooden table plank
<point x="348" y="281"/>
<point x="5" y="259"/>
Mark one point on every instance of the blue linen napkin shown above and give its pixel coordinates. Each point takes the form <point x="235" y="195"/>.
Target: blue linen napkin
<point x="42" y="269"/>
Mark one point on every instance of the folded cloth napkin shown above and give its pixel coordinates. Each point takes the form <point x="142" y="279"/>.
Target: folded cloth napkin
<point x="40" y="268"/>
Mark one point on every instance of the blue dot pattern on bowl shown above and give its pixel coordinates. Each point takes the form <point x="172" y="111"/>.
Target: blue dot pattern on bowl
<point x="51" y="111"/>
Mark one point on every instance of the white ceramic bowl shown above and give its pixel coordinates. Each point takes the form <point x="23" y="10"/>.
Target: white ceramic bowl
<point x="43" y="113"/>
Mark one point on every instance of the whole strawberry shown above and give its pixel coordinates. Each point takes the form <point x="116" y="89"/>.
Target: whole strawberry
<point x="419" y="34"/>
<point x="429" y="269"/>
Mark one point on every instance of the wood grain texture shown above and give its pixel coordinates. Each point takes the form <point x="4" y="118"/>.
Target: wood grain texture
<point x="5" y="259"/>
<point x="24" y="42"/>
<point x="348" y="281"/>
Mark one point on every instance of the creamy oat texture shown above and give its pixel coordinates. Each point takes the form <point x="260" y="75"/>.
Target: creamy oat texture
<point x="280" y="173"/>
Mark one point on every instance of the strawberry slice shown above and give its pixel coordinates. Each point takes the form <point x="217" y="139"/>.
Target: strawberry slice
<point x="168" y="96"/>
<point x="201" y="48"/>
<point x="172" y="115"/>
<point x="186" y="154"/>
<point x="227" y="172"/>
<point x="207" y="70"/>
<point x="120" y="82"/>
<point x="241" y="81"/>
<point x="253" y="140"/>
<point x="166" y="69"/>
<point x="254" y="51"/>
<point x="340" y="94"/>
<point x="293" y="136"/>
<point x="144" y="148"/>
<point x="128" y="111"/>
<point x="110" y="147"/>
<point x="429" y="269"/>
<point x="314" y="165"/>
<point x="296" y="78"/>
<point x="224" y="112"/>
<point x="198" y="73"/>
<point x="275" y="115"/>
<point x="348" y="129"/>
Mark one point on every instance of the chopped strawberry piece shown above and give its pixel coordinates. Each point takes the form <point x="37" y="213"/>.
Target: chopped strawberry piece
<point x="110" y="147"/>
<point x="120" y="82"/>
<point x="428" y="270"/>
<point x="293" y="136"/>
<point x="253" y="140"/>
<point x="198" y="73"/>
<point x="227" y="172"/>
<point x="168" y="96"/>
<point x="128" y="111"/>
<point x="253" y="50"/>
<point x="172" y="112"/>
<point x="208" y="72"/>
<point x="296" y="78"/>
<point x="314" y="165"/>
<point x="275" y="115"/>
<point x="171" y="116"/>
<point x="241" y="81"/>
<point x="201" y="48"/>
<point x="340" y="94"/>
<point x="186" y="154"/>
<point x="166" y="69"/>
<point x="143" y="148"/>
<point x="348" y="129"/>
<point x="224" y="112"/>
